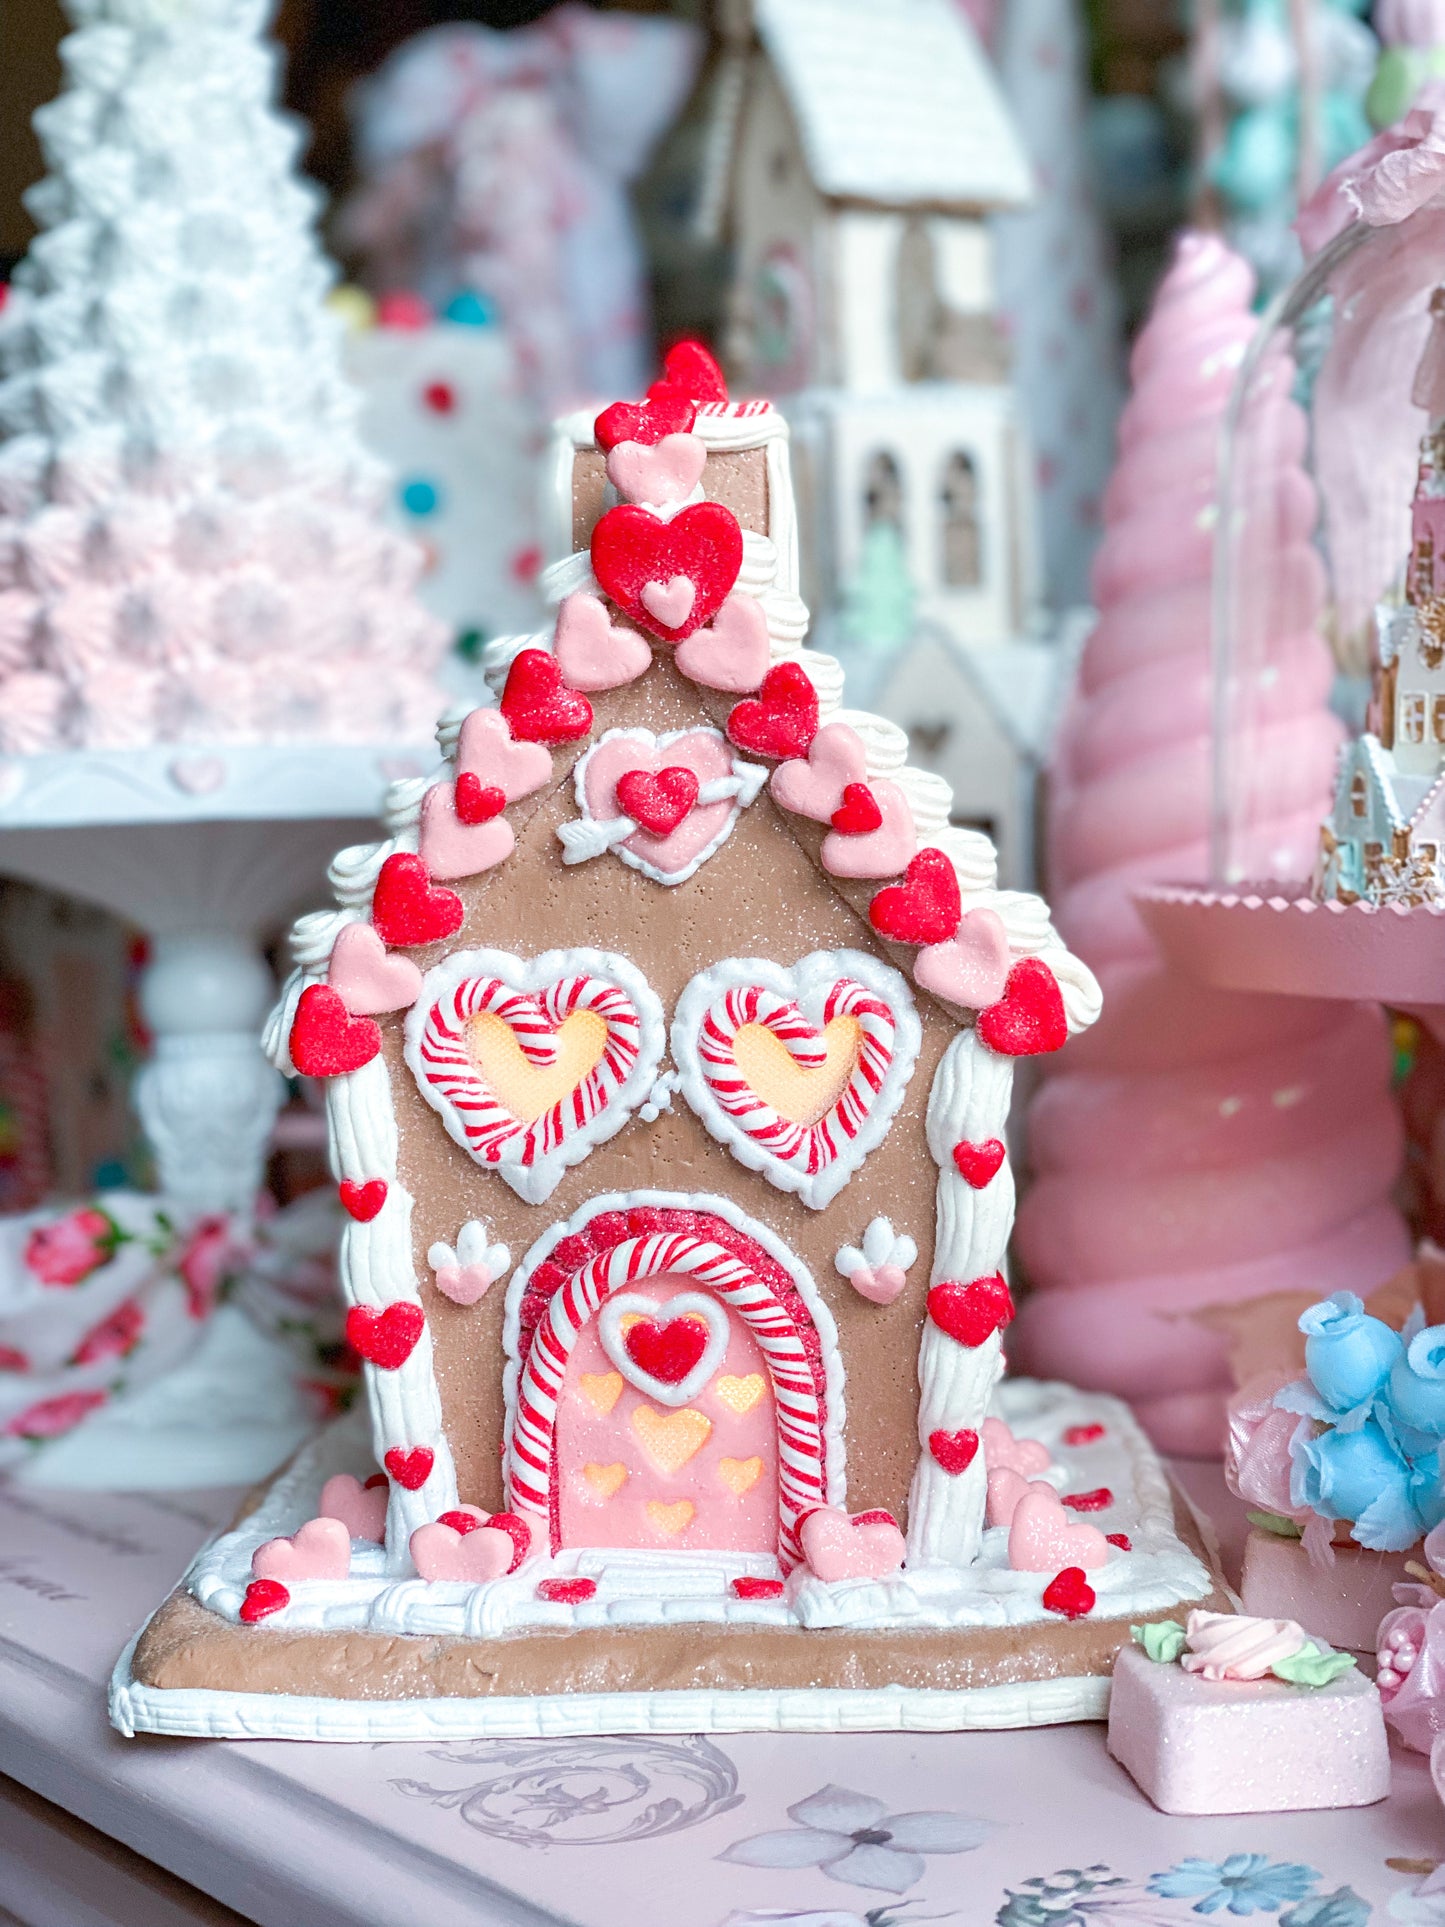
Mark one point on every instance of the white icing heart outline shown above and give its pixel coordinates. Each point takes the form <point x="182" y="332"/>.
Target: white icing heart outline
<point x="531" y="1158"/>
<point x="701" y="1303"/>
<point x="813" y="1160"/>
<point x="592" y="835"/>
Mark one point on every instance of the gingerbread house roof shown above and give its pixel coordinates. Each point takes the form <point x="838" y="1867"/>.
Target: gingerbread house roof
<point x="897" y="105"/>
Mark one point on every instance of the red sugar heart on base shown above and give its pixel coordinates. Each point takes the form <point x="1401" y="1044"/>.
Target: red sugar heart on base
<point x="566" y="1592"/>
<point x="973" y="1312"/>
<point x="1099" y="1500"/>
<point x="363" y="1201"/>
<point x="1028" y="1020"/>
<point x="925" y="908"/>
<point x="410" y="1469"/>
<point x="475" y="801"/>
<point x="537" y="703"/>
<point x="666" y="1352"/>
<point x="408" y="908"/>
<point x="782" y="719"/>
<point x="517" y="1530"/>
<point x="634" y="551"/>
<point x="1083" y="1434"/>
<point x="658" y="799"/>
<point x="858" y="814"/>
<point x="385" y="1338"/>
<point x="263" y="1597"/>
<point x="978" y="1164"/>
<point x="954" y="1451"/>
<point x="689" y="370"/>
<point x="1070" y="1594"/>
<point x="326" y="1040"/>
<point x="746" y="1588"/>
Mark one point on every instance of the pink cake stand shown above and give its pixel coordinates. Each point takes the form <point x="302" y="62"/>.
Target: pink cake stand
<point x="1275" y="937"/>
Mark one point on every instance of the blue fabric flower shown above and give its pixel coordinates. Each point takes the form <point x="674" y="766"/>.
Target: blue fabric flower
<point x="1245" y="1883"/>
<point x="1416" y="1388"/>
<point x="1348" y="1354"/>
<point x="1361" y="1476"/>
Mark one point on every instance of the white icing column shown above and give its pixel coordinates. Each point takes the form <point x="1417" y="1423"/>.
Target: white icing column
<point x="969" y="1100"/>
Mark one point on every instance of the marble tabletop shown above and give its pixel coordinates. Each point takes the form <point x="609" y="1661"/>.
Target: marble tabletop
<point x="1035" y="1829"/>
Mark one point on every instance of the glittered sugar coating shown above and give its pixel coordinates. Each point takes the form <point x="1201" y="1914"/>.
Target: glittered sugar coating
<point x="1256" y="1746"/>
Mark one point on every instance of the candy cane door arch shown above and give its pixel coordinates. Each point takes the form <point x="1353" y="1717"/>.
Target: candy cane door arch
<point x="668" y="1400"/>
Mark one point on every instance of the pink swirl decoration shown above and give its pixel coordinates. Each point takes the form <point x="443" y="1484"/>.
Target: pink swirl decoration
<point x="1196" y="1148"/>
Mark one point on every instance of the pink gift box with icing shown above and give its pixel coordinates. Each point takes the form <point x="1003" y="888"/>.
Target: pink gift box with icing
<point x="1246" y="1746"/>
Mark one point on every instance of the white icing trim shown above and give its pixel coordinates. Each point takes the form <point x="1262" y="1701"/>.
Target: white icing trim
<point x="970" y="1099"/>
<point x="698" y="1303"/>
<point x="539" y="992"/>
<point x="593" y="836"/>
<point x="714" y="1006"/>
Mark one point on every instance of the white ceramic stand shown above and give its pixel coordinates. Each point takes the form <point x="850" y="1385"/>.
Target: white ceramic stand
<point x="207" y="851"/>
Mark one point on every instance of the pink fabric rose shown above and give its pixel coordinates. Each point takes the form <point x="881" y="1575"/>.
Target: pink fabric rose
<point x="52" y="1416"/>
<point x="1387" y="180"/>
<point x="113" y="1337"/>
<point x="1256" y="1452"/>
<point x="70" y="1249"/>
<point x="202" y="1264"/>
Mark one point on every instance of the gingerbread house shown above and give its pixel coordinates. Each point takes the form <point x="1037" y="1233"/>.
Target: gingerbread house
<point x="668" y="1039"/>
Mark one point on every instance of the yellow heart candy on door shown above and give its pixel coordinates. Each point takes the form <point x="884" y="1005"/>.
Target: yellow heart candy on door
<point x="740" y="1475"/>
<point x="670" y="1438"/>
<point x="792" y="1089"/>
<point x="601" y="1390"/>
<point x="740" y="1394"/>
<point x="526" y="1089"/>
<point x="673" y="1518"/>
<point x="605" y="1479"/>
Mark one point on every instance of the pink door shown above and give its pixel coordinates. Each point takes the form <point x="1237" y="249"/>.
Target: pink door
<point x="634" y="1470"/>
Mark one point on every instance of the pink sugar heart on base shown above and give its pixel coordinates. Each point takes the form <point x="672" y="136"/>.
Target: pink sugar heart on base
<point x="451" y="848"/>
<point x="463" y="1284"/>
<point x="1005" y="1488"/>
<point x="879" y="1284"/>
<point x="440" y="1552"/>
<point x="814" y="785"/>
<point x="733" y="652"/>
<point x="366" y="977"/>
<point x="971" y="968"/>
<point x="1001" y="1450"/>
<point x="836" y="1546"/>
<point x="321" y="1549"/>
<point x="487" y="750"/>
<point x="660" y="475"/>
<point x="592" y="651"/>
<point x="882" y="852"/>
<point x="360" y="1508"/>
<point x="1043" y="1538"/>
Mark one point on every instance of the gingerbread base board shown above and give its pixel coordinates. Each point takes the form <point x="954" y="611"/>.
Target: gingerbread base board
<point x="195" y="1670"/>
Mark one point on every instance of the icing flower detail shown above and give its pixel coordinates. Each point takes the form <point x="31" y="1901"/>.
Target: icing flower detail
<point x="1234" y="1646"/>
<point x="879" y="1271"/>
<point x="68" y="1250"/>
<point x="1348" y="1354"/>
<point x="467" y="1273"/>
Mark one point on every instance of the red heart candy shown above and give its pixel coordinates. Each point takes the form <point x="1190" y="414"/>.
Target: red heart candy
<point x="1083" y="1434"/>
<point x="668" y="412"/>
<point x="363" y="1201"/>
<point x="407" y="907"/>
<point x="1099" y="1500"/>
<point x="1070" y="1594"/>
<point x="972" y="1312"/>
<point x="666" y="1352"/>
<point x="1121" y="1540"/>
<point x="954" y="1451"/>
<point x="782" y="719"/>
<point x="475" y="801"/>
<point x="925" y="908"/>
<point x="326" y="1040"/>
<point x="978" y="1164"/>
<point x="263" y="1597"/>
<point x="462" y="1522"/>
<point x="538" y="705"/>
<point x="517" y="1530"/>
<point x="385" y="1338"/>
<point x="858" y="813"/>
<point x="1029" y="1018"/>
<point x="746" y="1588"/>
<point x="688" y="369"/>
<point x="658" y="799"/>
<point x="568" y="1592"/>
<point x="410" y="1469"/>
<point x="377" y="1478"/>
<point x="633" y="550"/>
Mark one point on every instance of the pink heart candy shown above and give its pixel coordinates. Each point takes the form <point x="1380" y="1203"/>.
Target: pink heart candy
<point x="837" y="1546"/>
<point x="1002" y="1451"/>
<point x="659" y="476"/>
<point x="360" y="1508"/>
<point x="1005" y="1488"/>
<point x="884" y="852"/>
<point x="733" y="652"/>
<point x="972" y="968"/>
<point x="813" y="785"/>
<point x="485" y="750"/>
<point x="440" y="1552"/>
<point x="321" y="1549"/>
<point x="671" y="601"/>
<point x="880" y="1284"/>
<point x="1043" y="1538"/>
<point x="450" y="848"/>
<point x="463" y="1284"/>
<point x="366" y="977"/>
<point x="592" y="652"/>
